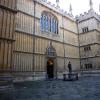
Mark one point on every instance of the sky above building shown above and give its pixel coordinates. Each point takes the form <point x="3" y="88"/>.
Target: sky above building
<point x="78" y="6"/>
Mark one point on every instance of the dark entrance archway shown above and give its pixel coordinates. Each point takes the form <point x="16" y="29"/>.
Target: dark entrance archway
<point x="51" y="61"/>
<point x="50" y="68"/>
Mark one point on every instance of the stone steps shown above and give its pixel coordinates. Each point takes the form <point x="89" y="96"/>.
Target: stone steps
<point x="90" y="73"/>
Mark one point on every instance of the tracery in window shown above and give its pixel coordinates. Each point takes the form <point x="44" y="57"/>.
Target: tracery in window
<point x="49" y="23"/>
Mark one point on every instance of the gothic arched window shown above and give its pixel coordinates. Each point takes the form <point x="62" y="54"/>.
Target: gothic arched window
<point x="42" y="23"/>
<point x="49" y="23"/>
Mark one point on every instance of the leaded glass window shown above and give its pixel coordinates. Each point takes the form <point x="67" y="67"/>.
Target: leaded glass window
<point x="42" y="23"/>
<point x="44" y="20"/>
<point x="49" y="23"/>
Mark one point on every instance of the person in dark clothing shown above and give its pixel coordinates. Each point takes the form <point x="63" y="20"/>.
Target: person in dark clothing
<point x="70" y="67"/>
<point x="70" y="70"/>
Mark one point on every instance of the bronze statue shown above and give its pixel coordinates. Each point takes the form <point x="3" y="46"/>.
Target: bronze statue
<point x="70" y="67"/>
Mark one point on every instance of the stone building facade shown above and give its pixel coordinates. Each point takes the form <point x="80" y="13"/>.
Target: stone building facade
<point x="7" y="29"/>
<point x="38" y="39"/>
<point x="89" y="37"/>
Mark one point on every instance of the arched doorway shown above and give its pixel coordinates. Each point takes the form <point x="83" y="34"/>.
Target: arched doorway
<point x="50" y="68"/>
<point x="51" y="61"/>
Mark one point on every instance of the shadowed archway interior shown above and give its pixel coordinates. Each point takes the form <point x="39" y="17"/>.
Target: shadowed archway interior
<point x="50" y="68"/>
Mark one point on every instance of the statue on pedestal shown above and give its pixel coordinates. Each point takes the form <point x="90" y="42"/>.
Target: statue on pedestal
<point x="70" y="67"/>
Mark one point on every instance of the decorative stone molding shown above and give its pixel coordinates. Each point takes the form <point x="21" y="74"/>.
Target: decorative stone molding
<point x="55" y="8"/>
<point x="87" y="15"/>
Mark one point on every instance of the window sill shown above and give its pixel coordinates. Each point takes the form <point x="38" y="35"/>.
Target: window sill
<point x="50" y="33"/>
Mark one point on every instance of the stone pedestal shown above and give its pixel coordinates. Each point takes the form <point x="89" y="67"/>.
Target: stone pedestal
<point x="70" y="76"/>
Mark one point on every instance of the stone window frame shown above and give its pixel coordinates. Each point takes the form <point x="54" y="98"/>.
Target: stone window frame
<point x="49" y="23"/>
<point x="85" y="29"/>
<point x="88" y="66"/>
<point x="87" y="48"/>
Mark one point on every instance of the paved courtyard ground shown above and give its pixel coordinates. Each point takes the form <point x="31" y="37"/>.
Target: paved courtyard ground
<point x="86" y="88"/>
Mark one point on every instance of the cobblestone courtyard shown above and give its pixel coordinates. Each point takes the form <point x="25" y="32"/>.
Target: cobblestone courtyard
<point x="87" y="88"/>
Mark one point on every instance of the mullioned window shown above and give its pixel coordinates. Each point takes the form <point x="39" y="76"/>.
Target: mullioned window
<point x="49" y="23"/>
